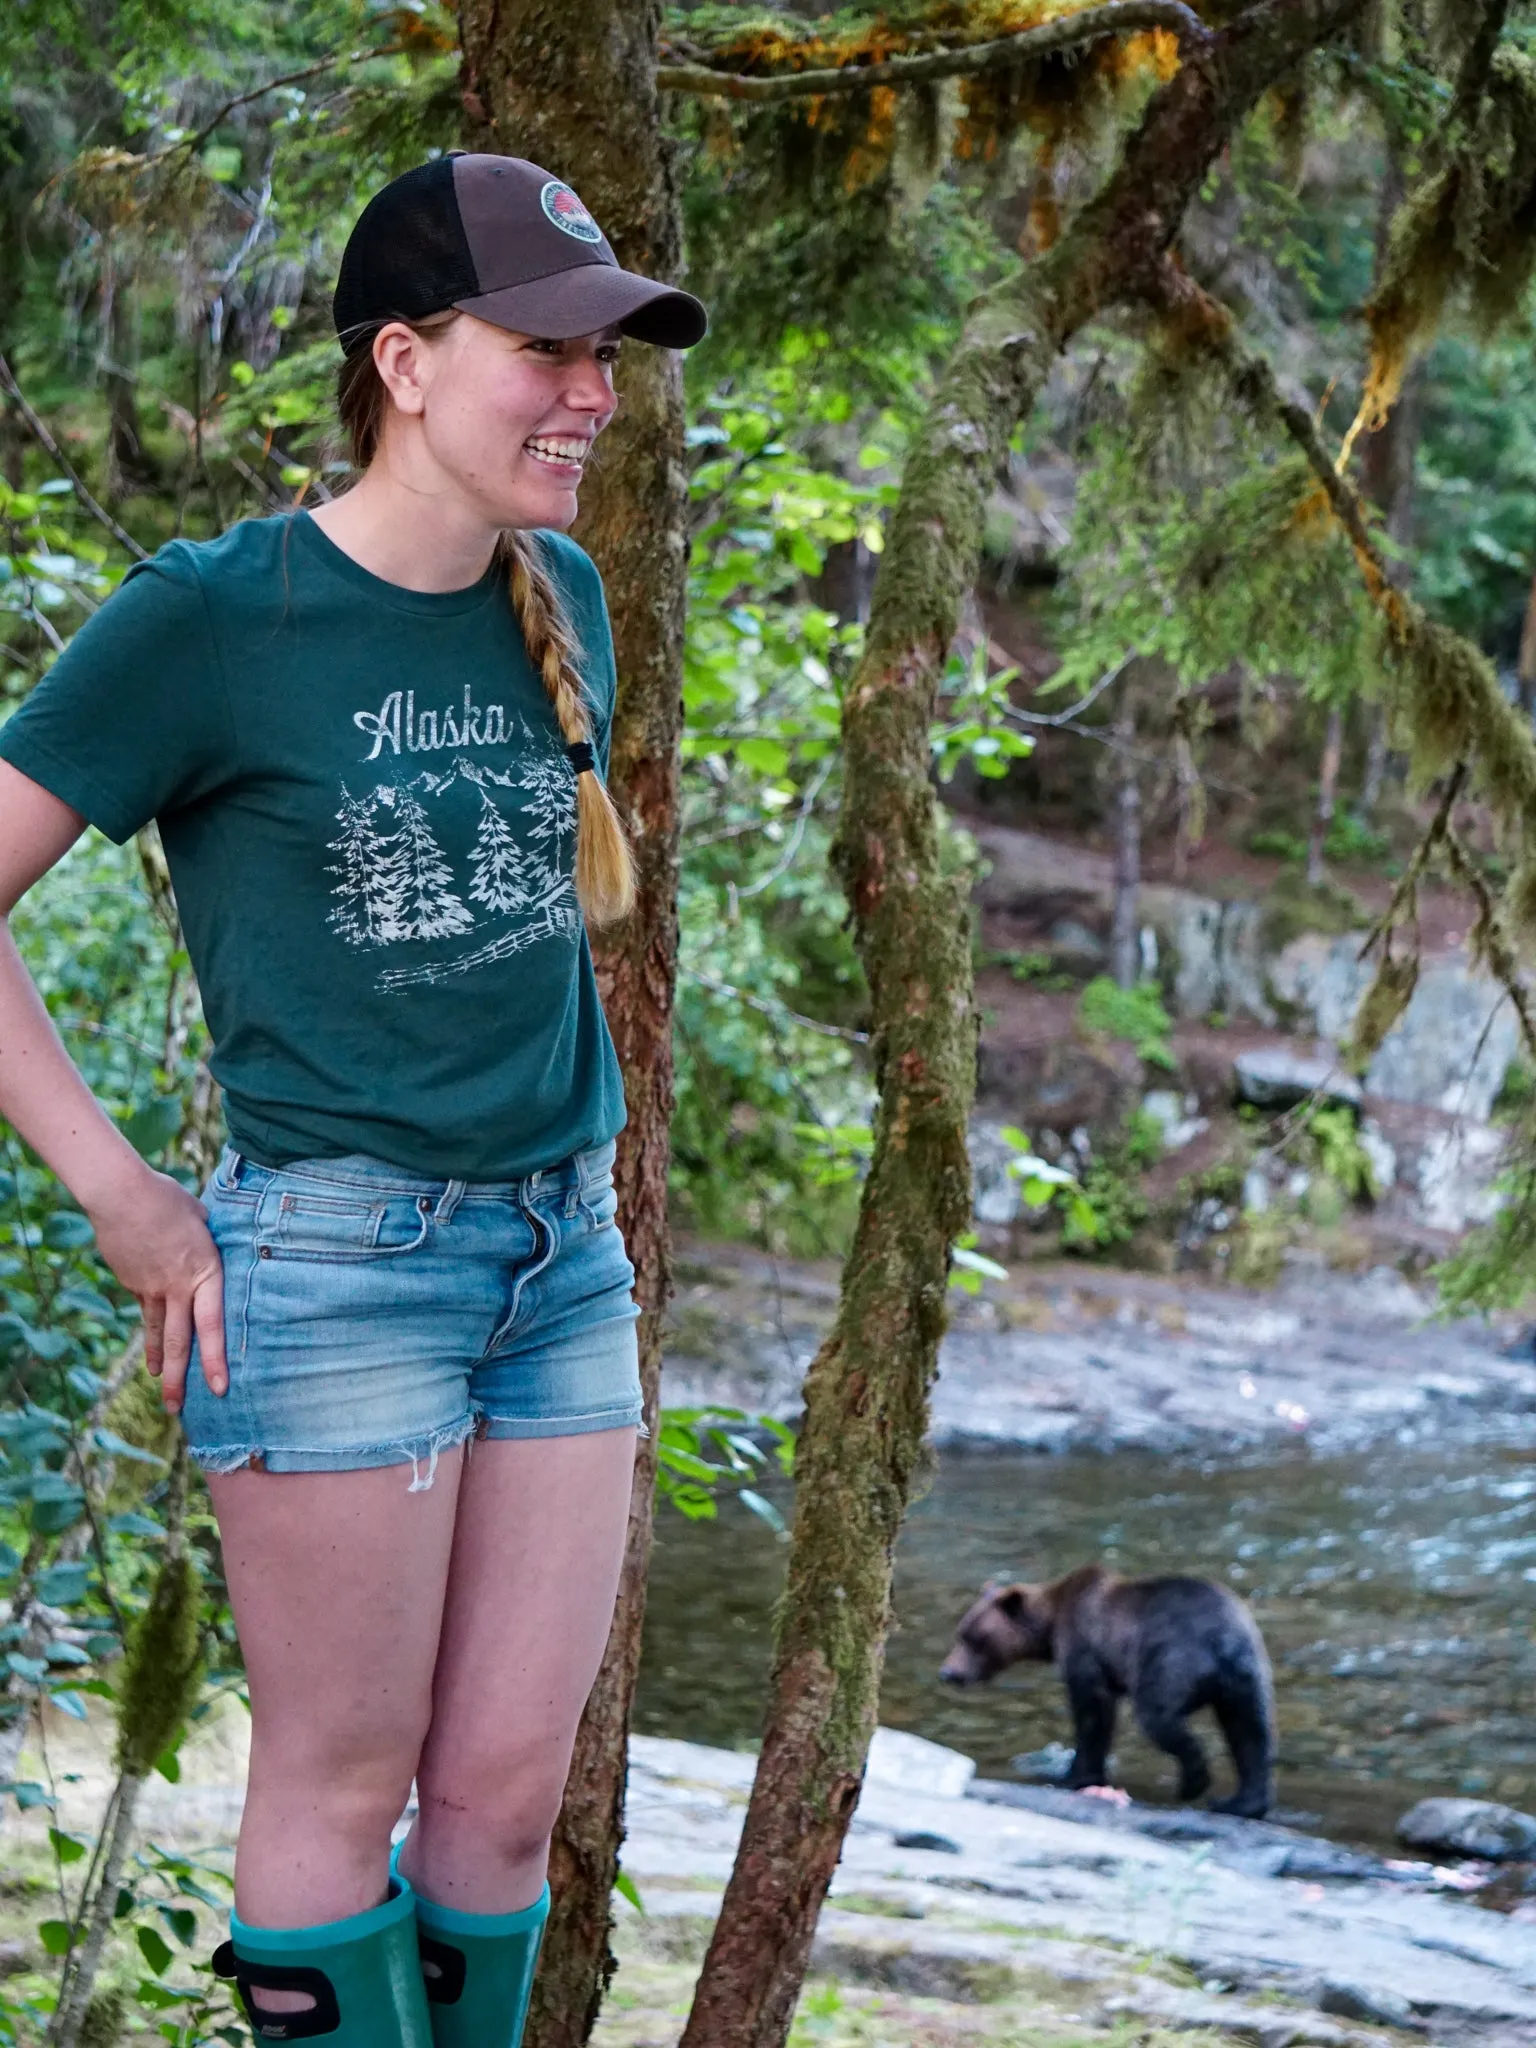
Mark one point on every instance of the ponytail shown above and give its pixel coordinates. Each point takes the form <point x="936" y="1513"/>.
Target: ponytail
<point x="605" y="872"/>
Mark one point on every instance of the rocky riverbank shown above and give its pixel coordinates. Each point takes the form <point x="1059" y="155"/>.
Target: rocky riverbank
<point x="1073" y="1357"/>
<point x="967" y="1913"/>
<point x="1026" y="1917"/>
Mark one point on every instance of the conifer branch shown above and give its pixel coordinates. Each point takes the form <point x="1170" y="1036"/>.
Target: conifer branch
<point x="1068" y="32"/>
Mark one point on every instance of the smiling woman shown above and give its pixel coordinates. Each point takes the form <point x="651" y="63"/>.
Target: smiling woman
<point x="375" y="739"/>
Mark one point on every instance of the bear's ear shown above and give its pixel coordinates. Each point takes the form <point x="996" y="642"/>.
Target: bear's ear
<point x="1014" y="1602"/>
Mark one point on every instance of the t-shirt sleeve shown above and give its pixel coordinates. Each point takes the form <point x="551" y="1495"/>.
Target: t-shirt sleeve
<point x="133" y="718"/>
<point x="581" y="587"/>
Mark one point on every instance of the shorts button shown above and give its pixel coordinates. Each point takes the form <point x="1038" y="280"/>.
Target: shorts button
<point x="266" y="1251"/>
<point x="424" y="1203"/>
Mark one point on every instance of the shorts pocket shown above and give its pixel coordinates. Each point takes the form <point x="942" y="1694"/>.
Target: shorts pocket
<point x="295" y="1223"/>
<point x="599" y="1203"/>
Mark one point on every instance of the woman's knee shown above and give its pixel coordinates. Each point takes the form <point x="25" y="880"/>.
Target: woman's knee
<point x="356" y="1777"/>
<point x="513" y="1795"/>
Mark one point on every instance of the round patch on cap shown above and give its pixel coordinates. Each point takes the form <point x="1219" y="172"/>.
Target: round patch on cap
<point x="569" y="215"/>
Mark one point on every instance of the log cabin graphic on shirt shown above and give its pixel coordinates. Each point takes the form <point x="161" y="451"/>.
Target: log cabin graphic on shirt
<point x="395" y="883"/>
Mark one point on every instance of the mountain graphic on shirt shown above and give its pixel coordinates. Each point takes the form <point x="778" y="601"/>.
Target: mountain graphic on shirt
<point x="396" y="884"/>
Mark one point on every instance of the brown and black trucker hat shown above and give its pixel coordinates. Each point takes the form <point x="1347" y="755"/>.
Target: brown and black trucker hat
<point x="500" y="238"/>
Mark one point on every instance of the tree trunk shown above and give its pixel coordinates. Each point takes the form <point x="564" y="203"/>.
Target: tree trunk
<point x="1528" y="655"/>
<point x="1125" y="935"/>
<point x="574" y="89"/>
<point x="1389" y="468"/>
<point x="1327" y="792"/>
<point x="867" y="1391"/>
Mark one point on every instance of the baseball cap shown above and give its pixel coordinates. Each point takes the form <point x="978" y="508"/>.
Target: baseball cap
<point x="498" y="237"/>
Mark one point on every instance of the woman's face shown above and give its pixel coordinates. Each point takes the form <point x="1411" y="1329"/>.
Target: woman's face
<point x="506" y="420"/>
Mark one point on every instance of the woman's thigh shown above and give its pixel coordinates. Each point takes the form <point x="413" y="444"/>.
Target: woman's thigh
<point x="337" y="1582"/>
<point x="538" y="1547"/>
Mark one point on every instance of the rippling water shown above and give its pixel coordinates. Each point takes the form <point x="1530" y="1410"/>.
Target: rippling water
<point x="1396" y="1590"/>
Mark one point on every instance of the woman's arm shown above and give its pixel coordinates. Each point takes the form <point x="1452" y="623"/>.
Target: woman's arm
<point x="152" y="1233"/>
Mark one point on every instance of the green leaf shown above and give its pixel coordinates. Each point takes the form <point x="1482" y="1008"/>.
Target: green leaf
<point x="154" y="1948"/>
<point x="182" y="1923"/>
<point x="625" y="1885"/>
<point x="68" y="1848"/>
<point x="766" y="756"/>
<point x="55" y="1936"/>
<point x="62" y="1585"/>
<point x="153" y="1125"/>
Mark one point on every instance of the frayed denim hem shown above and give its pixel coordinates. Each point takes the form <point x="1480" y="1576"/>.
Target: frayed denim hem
<point x="216" y="1459"/>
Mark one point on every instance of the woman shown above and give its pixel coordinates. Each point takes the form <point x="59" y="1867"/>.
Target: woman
<point x="373" y="736"/>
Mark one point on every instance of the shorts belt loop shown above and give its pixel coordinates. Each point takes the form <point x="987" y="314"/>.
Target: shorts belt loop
<point x="448" y="1201"/>
<point x="232" y="1171"/>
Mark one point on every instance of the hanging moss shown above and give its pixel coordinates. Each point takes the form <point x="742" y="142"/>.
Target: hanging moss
<point x="105" y="2018"/>
<point x="162" y="1668"/>
<point x="1387" y="998"/>
<point x="1467" y="230"/>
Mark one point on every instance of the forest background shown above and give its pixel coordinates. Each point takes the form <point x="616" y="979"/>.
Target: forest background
<point x="1276" y="610"/>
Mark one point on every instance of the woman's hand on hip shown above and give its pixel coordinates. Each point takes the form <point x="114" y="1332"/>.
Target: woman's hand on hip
<point x="154" y="1236"/>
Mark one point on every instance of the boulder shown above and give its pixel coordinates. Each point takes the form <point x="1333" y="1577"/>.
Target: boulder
<point x="1271" y="1078"/>
<point x="1176" y="1116"/>
<point x="911" y="1763"/>
<point x="1469" y="1827"/>
<point x="1449" y="1051"/>
<point x="1458" y="1175"/>
<point x="1219" y="950"/>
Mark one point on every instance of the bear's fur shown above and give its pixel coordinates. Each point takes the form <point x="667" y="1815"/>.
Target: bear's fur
<point x="1170" y="1646"/>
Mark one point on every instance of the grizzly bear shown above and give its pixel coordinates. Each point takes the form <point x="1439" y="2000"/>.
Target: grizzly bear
<point x="1170" y="1645"/>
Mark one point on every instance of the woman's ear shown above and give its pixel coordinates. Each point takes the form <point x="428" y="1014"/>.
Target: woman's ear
<point x="400" y="357"/>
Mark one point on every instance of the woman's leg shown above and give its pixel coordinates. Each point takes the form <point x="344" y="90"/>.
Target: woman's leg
<point x="537" y="1550"/>
<point x="337" y="1581"/>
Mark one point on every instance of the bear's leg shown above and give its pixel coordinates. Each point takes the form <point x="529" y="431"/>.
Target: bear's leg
<point x="1244" y="1719"/>
<point x="1168" y="1728"/>
<point x="1093" y="1721"/>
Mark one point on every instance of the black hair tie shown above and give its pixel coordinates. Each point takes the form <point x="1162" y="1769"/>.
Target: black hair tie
<point x="580" y="755"/>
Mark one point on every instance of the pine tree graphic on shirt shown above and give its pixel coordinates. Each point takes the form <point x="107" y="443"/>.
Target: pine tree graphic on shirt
<point x="552" y="786"/>
<point x="429" y="909"/>
<point x="395" y="882"/>
<point x="496" y="864"/>
<point x="371" y="867"/>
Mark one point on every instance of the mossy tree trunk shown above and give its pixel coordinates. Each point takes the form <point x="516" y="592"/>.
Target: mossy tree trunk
<point x="574" y="88"/>
<point x="867" y="1391"/>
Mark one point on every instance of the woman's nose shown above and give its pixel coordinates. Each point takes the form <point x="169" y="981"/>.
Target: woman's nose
<point x="588" y="389"/>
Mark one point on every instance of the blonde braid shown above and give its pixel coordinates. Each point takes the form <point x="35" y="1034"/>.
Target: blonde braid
<point x="605" y="873"/>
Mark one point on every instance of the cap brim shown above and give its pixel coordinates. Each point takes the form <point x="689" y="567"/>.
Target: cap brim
<point x="592" y="296"/>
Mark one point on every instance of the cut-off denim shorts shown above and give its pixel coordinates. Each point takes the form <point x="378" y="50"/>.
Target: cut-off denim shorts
<point x="373" y="1317"/>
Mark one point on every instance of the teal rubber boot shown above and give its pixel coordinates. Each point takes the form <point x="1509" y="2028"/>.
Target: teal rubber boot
<point x="363" y="1974"/>
<point x="478" y="1970"/>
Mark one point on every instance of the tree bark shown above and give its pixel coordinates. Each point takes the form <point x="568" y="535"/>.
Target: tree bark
<point x="574" y="89"/>
<point x="1389" y="468"/>
<point x="867" y="1390"/>
<point x="1125" y="937"/>
<point x="1327" y="793"/>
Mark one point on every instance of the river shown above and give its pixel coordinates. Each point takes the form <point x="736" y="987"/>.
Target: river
<point x="1396" y="1588"/>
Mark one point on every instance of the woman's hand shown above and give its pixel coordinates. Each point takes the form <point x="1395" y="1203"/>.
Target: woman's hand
<point x="154" y="1236"/>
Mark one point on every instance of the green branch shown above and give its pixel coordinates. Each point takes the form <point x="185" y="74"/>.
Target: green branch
<point x="1071" y="31"/>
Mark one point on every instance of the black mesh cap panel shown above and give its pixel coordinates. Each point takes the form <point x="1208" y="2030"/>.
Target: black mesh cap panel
<point x="406" y="257"/>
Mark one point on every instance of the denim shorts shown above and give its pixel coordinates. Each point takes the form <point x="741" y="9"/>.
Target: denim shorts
<point x="375" y="1318"/>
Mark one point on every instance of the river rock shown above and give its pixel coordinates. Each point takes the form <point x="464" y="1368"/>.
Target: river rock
<point x="1271" y="1078"/>
<point x="911" y="1763"/>
<point x="1376" y="2004"/>
<point x="1469" y="1827"/>
<point x="1458" y="1175"/>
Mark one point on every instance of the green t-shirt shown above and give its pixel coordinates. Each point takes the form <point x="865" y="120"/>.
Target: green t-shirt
<point x="370" y="822"/>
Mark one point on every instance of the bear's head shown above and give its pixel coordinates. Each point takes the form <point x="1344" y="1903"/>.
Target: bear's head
<point x="1007" y="1625"/>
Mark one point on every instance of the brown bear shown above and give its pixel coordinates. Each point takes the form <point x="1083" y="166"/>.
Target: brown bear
<point x="1170" y="1645"/>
